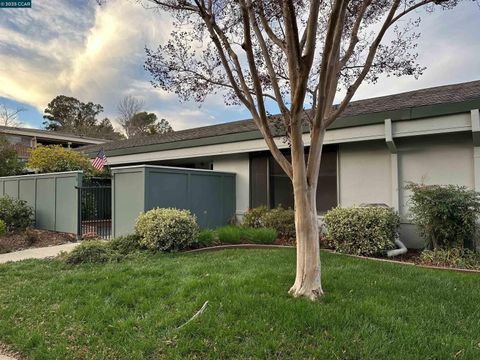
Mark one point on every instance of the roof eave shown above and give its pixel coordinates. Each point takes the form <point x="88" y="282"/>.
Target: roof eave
<point x="344" y="122"/>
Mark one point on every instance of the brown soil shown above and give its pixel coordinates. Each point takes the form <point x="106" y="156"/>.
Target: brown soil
<point x="5" y="351"/>
<point x="285" y="242"/>
<point x="32" y="238"/>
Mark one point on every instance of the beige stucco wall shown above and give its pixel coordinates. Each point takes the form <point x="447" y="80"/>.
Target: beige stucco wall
<point x="240" y="165"/>
<point x="437" y="159"/>
<point x="364" y="173"/>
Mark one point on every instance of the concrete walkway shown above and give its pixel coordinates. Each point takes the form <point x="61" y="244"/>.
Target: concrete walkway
<point x="37" y="253"/>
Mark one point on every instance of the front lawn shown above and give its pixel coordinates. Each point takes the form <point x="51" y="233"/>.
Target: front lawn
<point x="132" y="309"/>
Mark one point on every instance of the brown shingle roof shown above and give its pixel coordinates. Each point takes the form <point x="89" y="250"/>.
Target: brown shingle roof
<point x="448" y="94"/>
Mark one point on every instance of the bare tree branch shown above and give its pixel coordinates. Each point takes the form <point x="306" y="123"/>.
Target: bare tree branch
<point x="9" y="117"/>
<point x="262" y="120"/>
<point x="368" y="63"/>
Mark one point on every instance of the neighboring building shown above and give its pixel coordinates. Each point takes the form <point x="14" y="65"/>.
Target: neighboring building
<point x="379" y="144"/>
<point x="24" y="139"/>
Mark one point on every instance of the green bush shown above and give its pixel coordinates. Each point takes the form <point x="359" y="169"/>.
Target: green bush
<point x="206" y="237"/>
<point x="445" y="215"/>
<point x="229" y="234"/>
<point x="167" y="229"/>
<point x="3" y="227"/>
<point x="260" y="235"/>
<point x="280" y="219"/>
<point x="125" y="245"/>
<point x="283" y="221"/>
<point x="90" y="251"/>
<point x="10" y="164"/>
<point x="254" y="217"/>
<point x="16" y="214"/>
<point x="361" y="230"/>
<point x="456" y="257"/>
<point x="55" y="158"/>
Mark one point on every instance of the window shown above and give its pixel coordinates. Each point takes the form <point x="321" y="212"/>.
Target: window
<point x="270" y="185"/>
<point x="259" y="177"/>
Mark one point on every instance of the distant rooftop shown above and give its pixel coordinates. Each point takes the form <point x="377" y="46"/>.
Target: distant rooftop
<point x="50" y="135"/>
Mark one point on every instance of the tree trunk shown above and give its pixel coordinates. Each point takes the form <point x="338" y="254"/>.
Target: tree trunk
<point x="307" y="280"/>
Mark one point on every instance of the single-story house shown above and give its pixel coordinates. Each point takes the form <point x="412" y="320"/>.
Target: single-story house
<point x="430" y="135"/>
<point x="23" y="139"/>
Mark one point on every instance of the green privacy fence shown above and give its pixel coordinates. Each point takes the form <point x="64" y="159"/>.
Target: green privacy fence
<point x="53" y="197"/>
<point x="210" y="195"/>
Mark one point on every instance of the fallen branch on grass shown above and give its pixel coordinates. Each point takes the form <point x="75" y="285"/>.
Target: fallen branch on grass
<point x="197" y="314"/>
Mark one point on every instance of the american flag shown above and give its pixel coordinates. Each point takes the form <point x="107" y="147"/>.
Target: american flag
<point x="100" y="160"/>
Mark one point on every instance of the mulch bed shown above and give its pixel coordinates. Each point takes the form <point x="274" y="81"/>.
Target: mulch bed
<point x="32" y="238"/>
<point x="412" y="257"/>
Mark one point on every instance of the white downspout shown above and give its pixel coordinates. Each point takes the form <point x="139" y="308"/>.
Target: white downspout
<point x="402" y="249"/>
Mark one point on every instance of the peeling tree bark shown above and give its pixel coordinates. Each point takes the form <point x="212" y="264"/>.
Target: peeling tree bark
<point x="308" y="279"/>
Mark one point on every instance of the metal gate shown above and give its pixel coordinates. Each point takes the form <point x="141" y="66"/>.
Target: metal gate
<point x="95" y="209"/>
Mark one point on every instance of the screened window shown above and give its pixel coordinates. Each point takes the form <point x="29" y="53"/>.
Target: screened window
<point x="270" y="186"/>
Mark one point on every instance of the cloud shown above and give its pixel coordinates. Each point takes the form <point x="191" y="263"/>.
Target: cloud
<point x="96" y="53"/>
<point x="448" y="47"/>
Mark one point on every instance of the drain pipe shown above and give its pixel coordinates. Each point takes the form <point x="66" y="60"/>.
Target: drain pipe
<point x="402" y="249"/>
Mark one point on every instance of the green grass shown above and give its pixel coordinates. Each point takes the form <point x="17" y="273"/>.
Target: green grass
<point x="229" y="234"/>
<point x="232" y="234"/>
<point x="131" y="310"/>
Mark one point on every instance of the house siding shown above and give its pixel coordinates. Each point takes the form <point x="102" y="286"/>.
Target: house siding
<point x="439" y="159"/>
<point x="374" y="161"/>
<point x="239" y="164"/>
<point x="364" y="174"/>
<point x="365" y="171"/>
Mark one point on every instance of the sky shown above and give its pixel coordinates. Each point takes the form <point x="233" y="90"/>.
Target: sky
<point x="96" y="53"/>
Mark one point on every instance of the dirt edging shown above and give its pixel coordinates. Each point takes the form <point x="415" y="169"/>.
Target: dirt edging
<point x="264" y="246"/>
<point x="238" y="246"/>
<point x="7" y="354"/>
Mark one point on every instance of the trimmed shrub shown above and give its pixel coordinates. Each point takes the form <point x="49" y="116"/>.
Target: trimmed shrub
<point x="283" y="221"/>
<point x="254" y="217"/>
<point x="445" y="215"/>
<point x="90" y="252"/>
<point x="280" y="219"/>
<point x="167" y="229"/>
<point x="125" y="244"/>
<point x="3" y="227"/>
<point x="229" y="234"/>
<point x="260" y="235"/>
<point x="16" y="214"/>
<point x="361" y="230"/>
<point x="456" y="257"/>
<point x="206" y="237"/>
